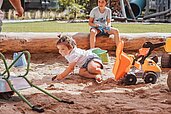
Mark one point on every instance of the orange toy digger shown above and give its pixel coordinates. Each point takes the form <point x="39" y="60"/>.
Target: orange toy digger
<point x="128" y="68"/>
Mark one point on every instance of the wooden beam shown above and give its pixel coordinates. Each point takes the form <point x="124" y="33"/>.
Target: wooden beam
<point x="157" y="14"/>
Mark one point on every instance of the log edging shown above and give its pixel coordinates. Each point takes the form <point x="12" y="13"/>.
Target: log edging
<point x="46" y="42"/>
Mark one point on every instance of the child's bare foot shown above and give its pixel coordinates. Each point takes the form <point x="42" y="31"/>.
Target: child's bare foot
<point x="98" y="79"/>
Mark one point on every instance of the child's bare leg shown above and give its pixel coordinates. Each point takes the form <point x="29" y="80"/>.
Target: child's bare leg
<point x="93" y="71"/>
<point x="93" y="33"/>
<point x="116" y="35"/>
<point x="83" y="72"/>
<point x="94" y="68"/>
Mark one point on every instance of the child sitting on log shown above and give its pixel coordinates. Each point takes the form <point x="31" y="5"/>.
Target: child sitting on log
<point x="89" y="63"/>
<point x="100" y="23"/>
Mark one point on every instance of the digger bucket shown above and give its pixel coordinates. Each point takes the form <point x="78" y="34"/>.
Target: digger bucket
<point x="122" y="64"/>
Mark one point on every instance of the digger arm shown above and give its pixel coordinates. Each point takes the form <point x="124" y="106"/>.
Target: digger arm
<point x="151" y="47"/>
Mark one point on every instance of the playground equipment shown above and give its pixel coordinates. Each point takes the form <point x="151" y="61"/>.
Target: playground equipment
<point x="128" y="68"/>
<point x="137" y="7"/>
<point x="11" y="84"/>
<point x="155" y="10"/>
<point x="159" y="10"/>
<point x="124" y="9"/>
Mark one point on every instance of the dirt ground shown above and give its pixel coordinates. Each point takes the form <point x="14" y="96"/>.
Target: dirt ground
<point x="88" y="96"/>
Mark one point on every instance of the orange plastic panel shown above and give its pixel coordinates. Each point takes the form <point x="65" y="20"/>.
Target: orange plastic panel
<point x="122" y="63"/>
<point x="143" y="51"/>
<point x="123" y="66"/>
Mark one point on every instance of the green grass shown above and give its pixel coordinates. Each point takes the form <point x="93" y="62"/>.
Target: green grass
<point x="54" y="26"/>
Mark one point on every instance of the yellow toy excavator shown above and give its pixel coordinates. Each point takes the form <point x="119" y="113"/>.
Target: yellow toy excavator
<point x="128" y="68"/>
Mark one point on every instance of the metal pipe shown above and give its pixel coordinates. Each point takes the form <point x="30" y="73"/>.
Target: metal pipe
<point x="123" y="9"/>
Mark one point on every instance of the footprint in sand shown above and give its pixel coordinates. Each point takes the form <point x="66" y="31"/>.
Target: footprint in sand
<point x="51" y="87"/>
<point x="166" y="101"/>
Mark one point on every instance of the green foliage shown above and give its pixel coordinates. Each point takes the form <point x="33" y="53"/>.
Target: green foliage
<point x="64" y="4"/>
<point x="73" y="7"/>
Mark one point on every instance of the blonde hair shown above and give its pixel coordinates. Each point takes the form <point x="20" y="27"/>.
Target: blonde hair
<point x="67" y="41"/>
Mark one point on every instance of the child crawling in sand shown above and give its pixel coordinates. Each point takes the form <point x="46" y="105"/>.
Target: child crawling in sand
<point x="89" y="63"/>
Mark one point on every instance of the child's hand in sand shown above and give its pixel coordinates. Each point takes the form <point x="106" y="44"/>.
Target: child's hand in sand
<point x="57" y="77"/>
<point x="20" y="11"/>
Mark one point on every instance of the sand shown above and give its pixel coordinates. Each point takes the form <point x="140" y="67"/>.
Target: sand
<point x="88" y="96"/>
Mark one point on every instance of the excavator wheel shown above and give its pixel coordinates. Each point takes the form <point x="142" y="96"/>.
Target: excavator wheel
<point x="130" y="79"/>
<point x="150" y="77"/>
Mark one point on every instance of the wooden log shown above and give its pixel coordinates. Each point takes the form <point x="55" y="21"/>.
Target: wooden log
<point x="46" y="42"/>
<point x="33" y="42"/>
<point x="132" y="41"/>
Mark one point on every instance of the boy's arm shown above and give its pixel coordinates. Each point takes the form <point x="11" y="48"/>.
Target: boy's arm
<point x="69" y="69"/>
<point x="109" y="18"/>
<point x="91" y="19"/>
<point x="109" y="23"/>
<point x="91" y="23"/>
<point x="17" y="5"/>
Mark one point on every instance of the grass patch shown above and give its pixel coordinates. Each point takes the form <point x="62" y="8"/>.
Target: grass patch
<point x="54" y="26"/>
